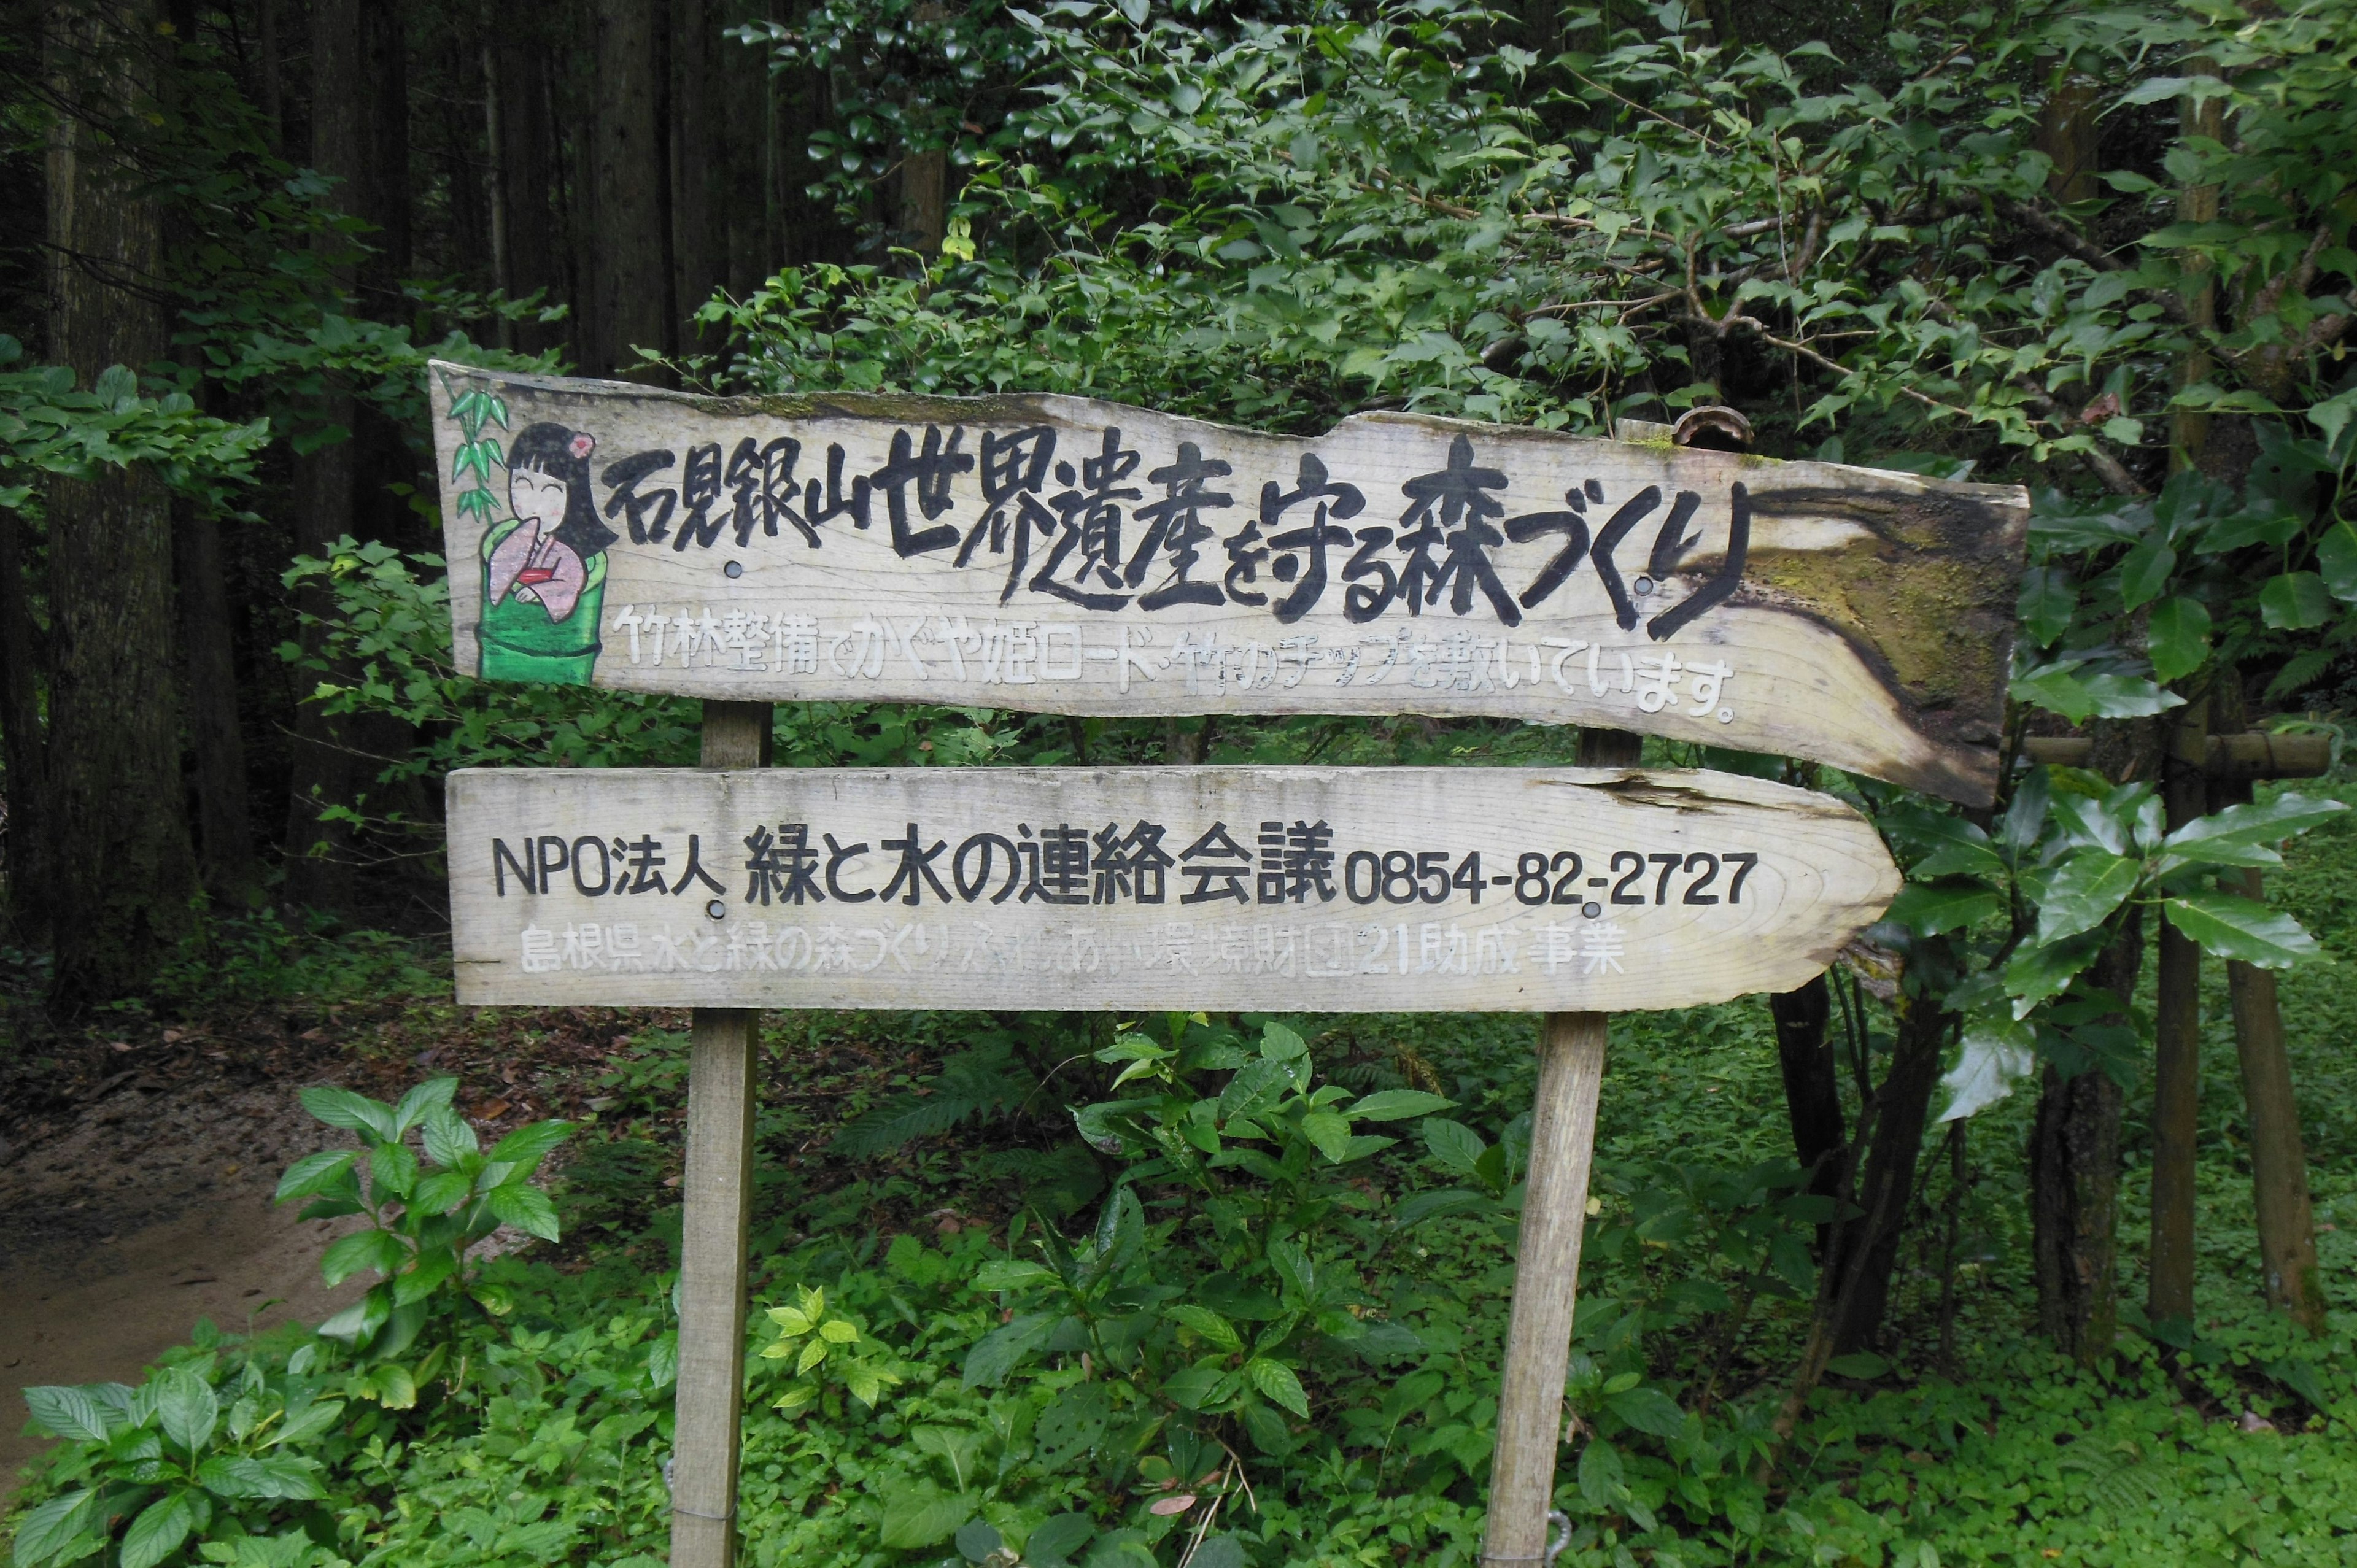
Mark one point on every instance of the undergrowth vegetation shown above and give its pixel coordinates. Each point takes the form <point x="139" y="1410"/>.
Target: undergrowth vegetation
<point x="1226" y="1293"/>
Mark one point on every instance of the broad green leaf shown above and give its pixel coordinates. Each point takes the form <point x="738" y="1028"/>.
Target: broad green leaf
<point x="352" y="1113"/>
<point x="1329" y="1133"/>
<point x="1602" y="1480"/>
<point x="1647" y="1409"/>
<point x="2084" y="891"/>
<point x="418" y="1281"/>
<point x="2049" y="595"/>
<point x="1208" y="1324"/>
<point x="2245" y="835"/>
<point x="2238" y="928"/>
<point x="281" y="1475"/>
<point x="441" y="1193"/>
<point x="314" y="1173"/>
<point x="1928" y="908"/>
<point x="187" y="1410"/>
<point x="2126" y="697"/>
<point x="2336" y="555"/>
<point x="1007" y="1273"/>
<point x="999" y="1351"/>
<point x="839" y="1331"/>
<point x="449" y="1138"/>
<point x="1278" y="1043"/>
<point x="67" y="1412"/>
<point x="414" y="1105"/>
<point x="359" y="1320"/>
<point x="2039" y="971"/>
<point x="923" y="1516"/>
<point x="158" y="1530"/>
<point x="2145" y="570"/>
<point x="2177" y="637"/>
<point x="1397" y="1105"/>
<point x="526" y="1208"/>
<point x="1277" y="1381"/>
<point x="1995" y="1055"/>
<point x="2296" y="601"/>
<point x="392" y="1170"/>
<point x="1454" y="1144"/>
<point x="527" y="1146"/>
<point x="55" y="1525"/>
<point x="371" y="1249"/>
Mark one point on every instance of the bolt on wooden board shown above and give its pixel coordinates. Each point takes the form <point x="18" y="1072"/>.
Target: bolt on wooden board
<point x="1463" y="889"/>
<point x="1064" y="555"/>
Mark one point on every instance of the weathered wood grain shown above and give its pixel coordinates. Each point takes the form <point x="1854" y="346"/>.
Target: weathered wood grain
<point x="722" y="1087"/>
<point x="842" y="546"/>
<point x="538" y="919"/>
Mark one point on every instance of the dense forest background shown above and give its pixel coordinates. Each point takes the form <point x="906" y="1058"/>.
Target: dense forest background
<point x="2011" y="1266"/>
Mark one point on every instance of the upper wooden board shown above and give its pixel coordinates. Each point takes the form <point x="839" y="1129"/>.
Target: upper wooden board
<point x="1420" y="889"/>
<point x="1064" y="556"/>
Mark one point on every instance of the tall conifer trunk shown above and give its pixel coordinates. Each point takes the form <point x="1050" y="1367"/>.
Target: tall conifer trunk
<point x="120" y="869"/>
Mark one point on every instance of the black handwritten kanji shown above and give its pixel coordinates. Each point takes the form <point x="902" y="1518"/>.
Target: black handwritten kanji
<point x="1450" y="508"/>
<point x="1216" y="858"/>
<point x="1175" y="527"/>
<point x="1303" y="561"/>
<point x="699" y="490"/>
<point x="930" y="471"/>
<point x="1014" y="470"/>
<point x="694" y="871"/>
<point x="838" y="502"/>
<point x="643" y="874"/>
<point x="761" y="479"/>
<point x="836" y="855"/>
<point x="782" y="866"/>
<point x="1089" y="517"/>
<point x="648" y="511"/>
<point x="916" y="862"/>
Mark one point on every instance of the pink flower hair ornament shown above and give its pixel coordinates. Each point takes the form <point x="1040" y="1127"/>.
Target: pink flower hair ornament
<point x="583" y="445"/>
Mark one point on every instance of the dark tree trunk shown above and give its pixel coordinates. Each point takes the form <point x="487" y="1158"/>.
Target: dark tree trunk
<point x="698" y="169"/>
<point x="1869" y="1246"/>
<point x="802" y="231"/>
<point x="121" y="872"/>
<point x="224" y="825"/>
<point x="359" y="135"/>
<point x="631" y="237"/>
<point x="24" y="747"/>
<point x="523" y="123"/>
<point x="2177" y="1051"/>
<point x="1805" y="1050"/>
<point x="2074" y="1181"/>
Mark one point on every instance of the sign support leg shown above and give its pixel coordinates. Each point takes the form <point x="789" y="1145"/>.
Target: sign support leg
<point x="718" y="1183"/>
<point x="1547" y="1262"/>
<point x="1546" y="1276"/>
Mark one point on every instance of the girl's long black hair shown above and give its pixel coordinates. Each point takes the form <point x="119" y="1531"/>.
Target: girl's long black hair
<point x="548" y="450"/>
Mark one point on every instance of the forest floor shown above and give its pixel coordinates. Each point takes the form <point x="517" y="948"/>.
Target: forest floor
<point x="137" y="1163"/>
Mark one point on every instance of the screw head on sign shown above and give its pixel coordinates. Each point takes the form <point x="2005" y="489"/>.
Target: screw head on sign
<point x="733" y="569"/>
<point x="716" y="909"/>
<point x="1727" y="716"/>
<point x="1643" y="586"/>
<point x="1591" y="910"/>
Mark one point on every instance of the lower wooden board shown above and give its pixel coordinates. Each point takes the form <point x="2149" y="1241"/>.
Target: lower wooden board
<point x="1404" y="889"/>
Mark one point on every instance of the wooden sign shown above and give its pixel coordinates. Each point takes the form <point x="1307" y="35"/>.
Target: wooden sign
<point x="1062" y="556"/>
<point x="1466" y="889"/>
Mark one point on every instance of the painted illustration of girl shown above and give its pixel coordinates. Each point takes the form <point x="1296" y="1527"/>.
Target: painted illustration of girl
<point x="545" y="568"/>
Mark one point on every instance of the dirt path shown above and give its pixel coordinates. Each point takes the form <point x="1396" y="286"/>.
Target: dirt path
<point x="151" y="1211"/>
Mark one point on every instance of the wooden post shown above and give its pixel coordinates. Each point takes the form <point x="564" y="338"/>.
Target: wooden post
<point x="2278" y="1155"/>
<point x="719" y="1186"/>
<point x="2177" y="1051"/>
<point x="1546" y="1256"/>
<point x="1546" y="1277"/>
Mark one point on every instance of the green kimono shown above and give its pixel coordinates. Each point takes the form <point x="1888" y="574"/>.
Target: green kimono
<point x="519" y="642"/>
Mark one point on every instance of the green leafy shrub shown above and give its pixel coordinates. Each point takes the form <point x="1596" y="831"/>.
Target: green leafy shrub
<point x="426" y="1215"/>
